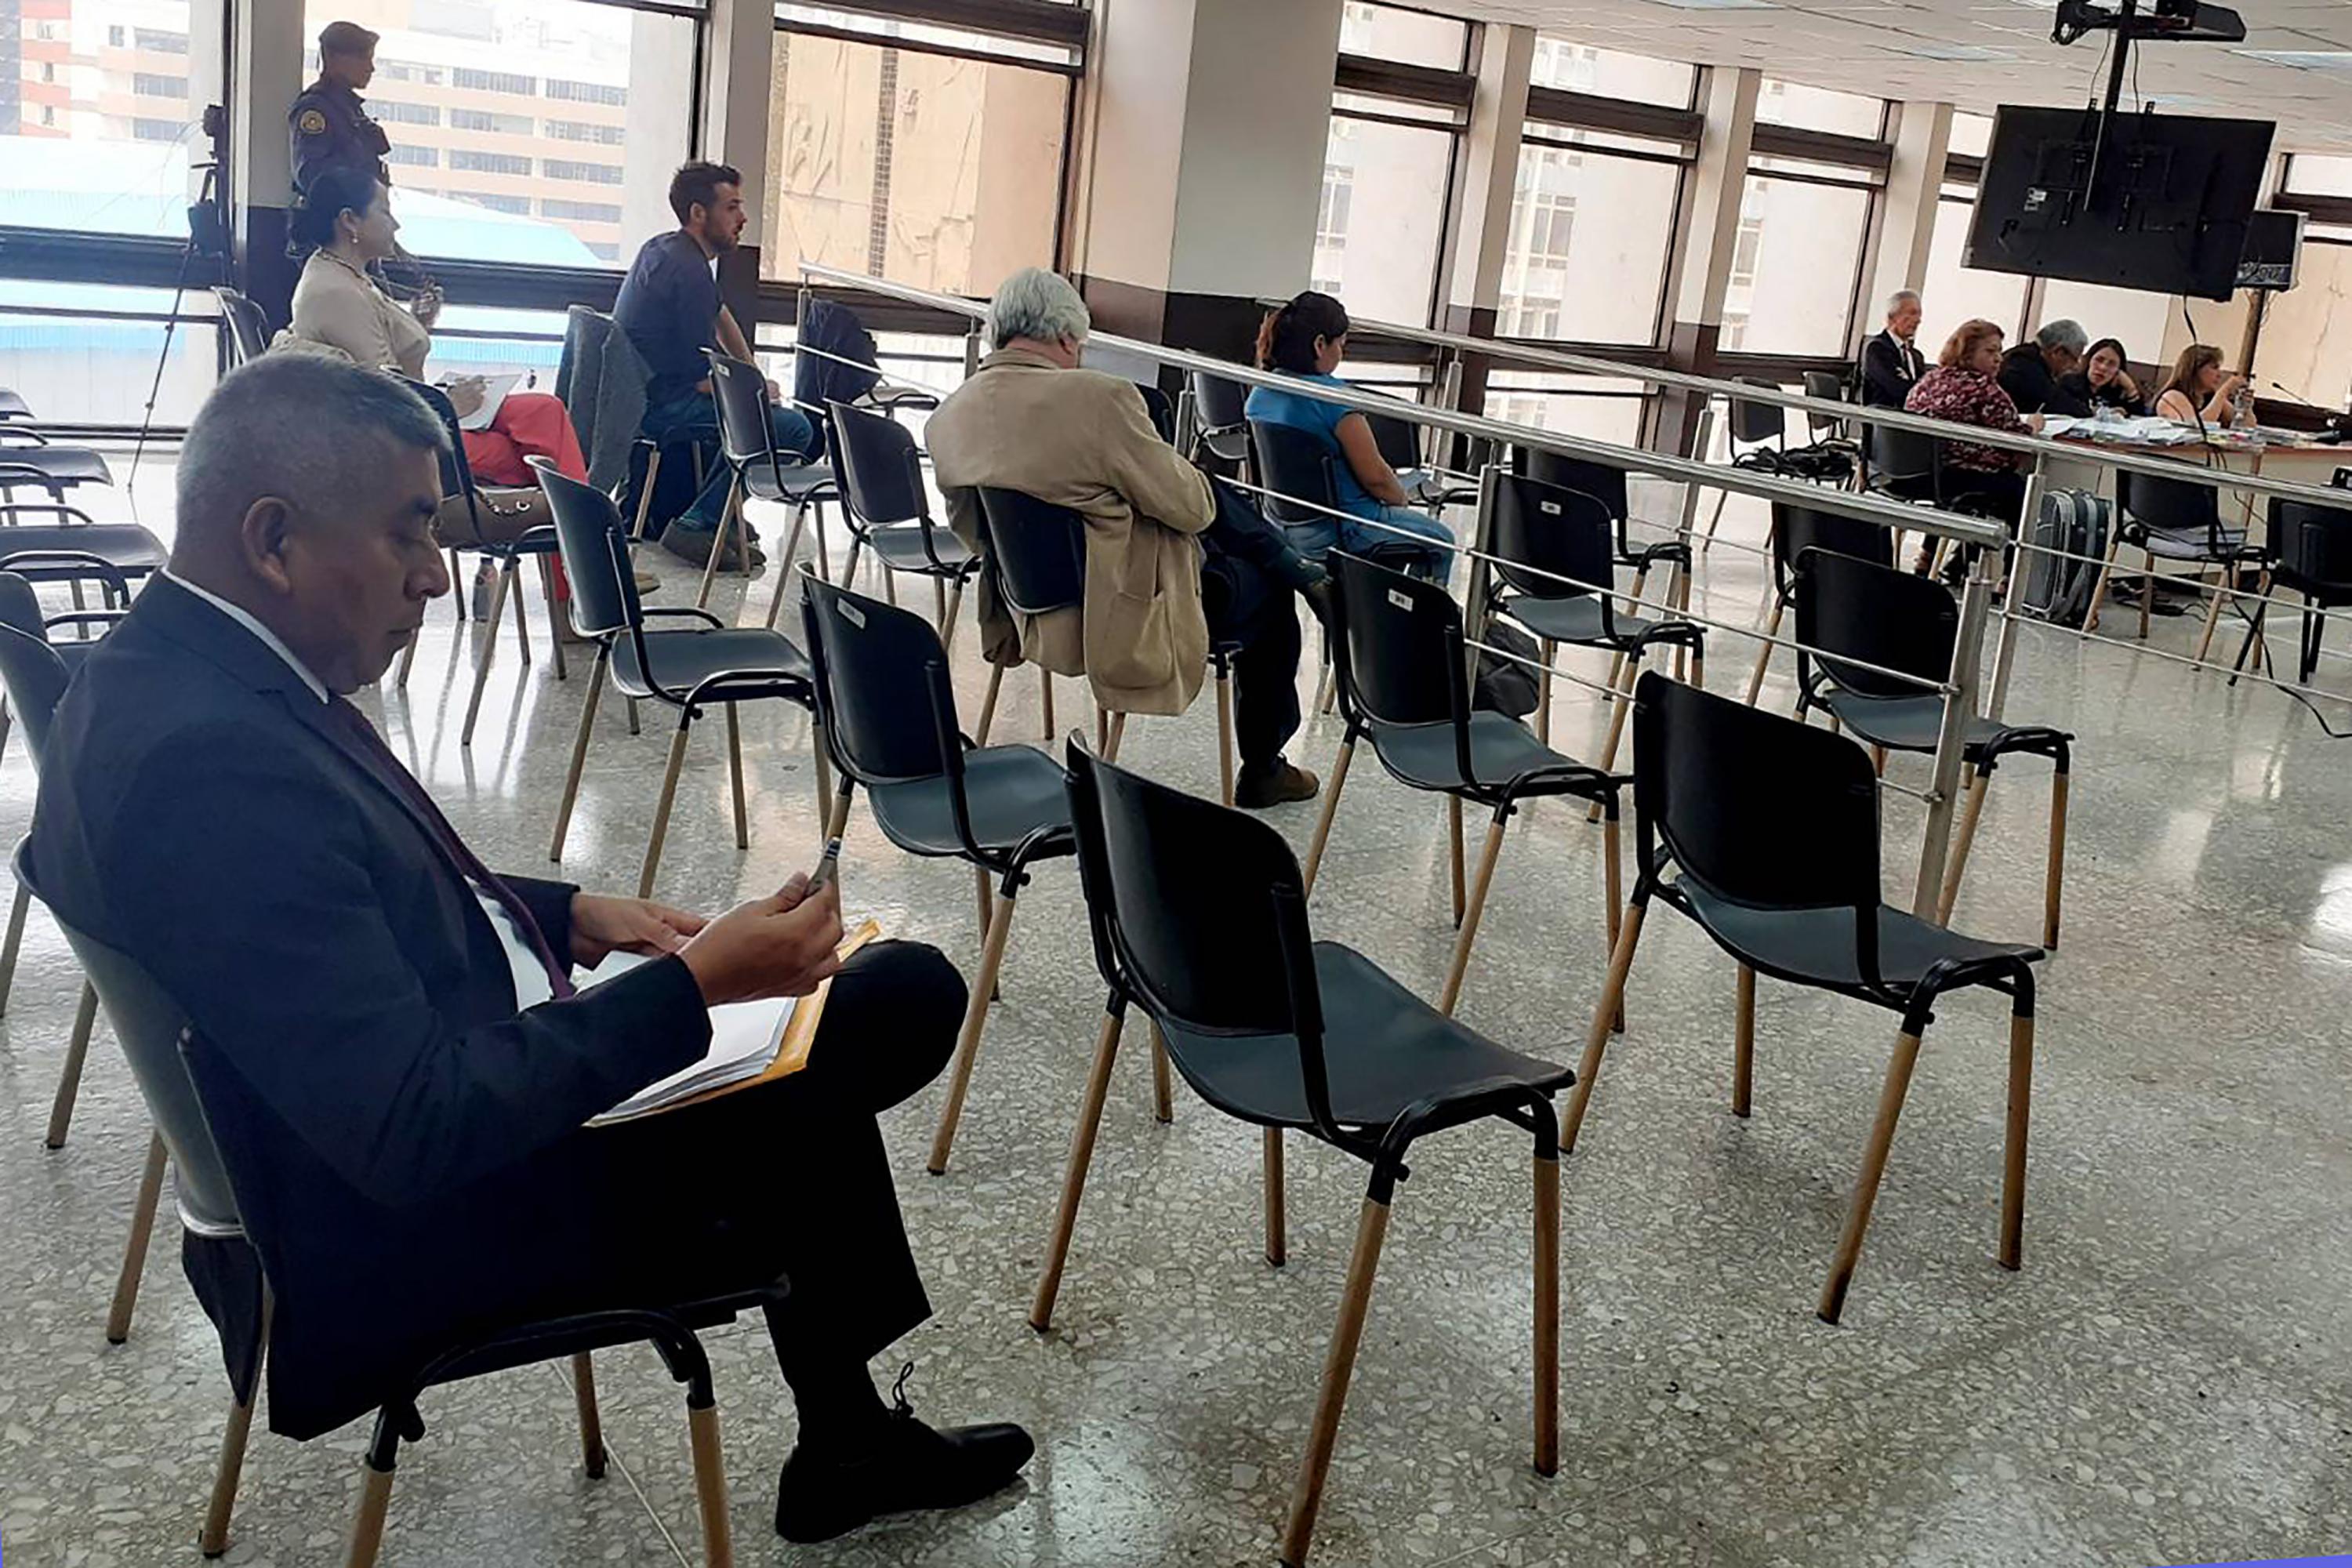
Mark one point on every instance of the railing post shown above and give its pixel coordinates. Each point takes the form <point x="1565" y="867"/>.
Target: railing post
<point x="1474" y="613"/>
<point x="971" y="351"/>
<point x="2005" y="650"/>
<point x="1951" y="738"/>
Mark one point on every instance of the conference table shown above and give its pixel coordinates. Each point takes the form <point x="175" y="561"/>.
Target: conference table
<point x="2274" y="454"/>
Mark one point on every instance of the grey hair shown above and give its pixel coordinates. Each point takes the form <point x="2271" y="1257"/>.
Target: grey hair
<point x="1036" y="303"/>
<point x="298" y="426"/>
<point x="2064" y="333"/>
<point x="1900" y="298"/>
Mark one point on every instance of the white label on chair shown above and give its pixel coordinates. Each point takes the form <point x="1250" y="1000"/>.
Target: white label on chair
<point x="1401" y="599"/>
<point x="853" y="614"/>
<point x="1551" y="508"/>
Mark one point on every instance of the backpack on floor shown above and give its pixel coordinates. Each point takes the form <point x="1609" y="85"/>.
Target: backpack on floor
<point x="1504" y="685"/>
<point x="2057" y="588"/>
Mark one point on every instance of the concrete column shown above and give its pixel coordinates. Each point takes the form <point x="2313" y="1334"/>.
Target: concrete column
<point x="1482" y="216"/>
<point x="265" y="77"/>
<point x="1923" y="137"/>
<point x="1710" y="231"/>
<point x="734" y="131"/>
<point x="1203" y="132"/>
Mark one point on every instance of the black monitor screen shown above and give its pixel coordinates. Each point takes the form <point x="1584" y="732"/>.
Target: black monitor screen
<point x="2159" y="202"/>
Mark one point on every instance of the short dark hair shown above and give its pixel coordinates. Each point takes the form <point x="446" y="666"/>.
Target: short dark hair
<point x="334" y="190"/>
<point x="1286" y="338"/>
<point x="298" y="426"/>
<point x="697" y="185"/>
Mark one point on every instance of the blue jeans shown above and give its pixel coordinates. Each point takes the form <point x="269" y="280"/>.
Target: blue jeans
<point x="1431" y="546"/>
<point x="694" y="417"/>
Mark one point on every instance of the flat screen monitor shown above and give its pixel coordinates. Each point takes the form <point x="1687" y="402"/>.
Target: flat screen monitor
<point x="2274" y="245"/>
<point x="2158" y="202"/>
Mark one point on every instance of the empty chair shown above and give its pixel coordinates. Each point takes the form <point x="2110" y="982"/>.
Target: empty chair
<point x="1795" y="530"/>
<point x="881" y="682"/>
<point x="689" y="668"/>
<point x="1753" y="425"/>
<point x="1827" y="387"/>
<point x="1906" y="464"/>
<point x="1199" y="918"/>
<point x="747" y="441"/>
<point x="28" y="457"/>
<point x="2175" y="520"/>
<point x="248" y="329"/>
<point x="1220" y="430"/>
<point x="1868" y="611"/>
<point x="889" y="511"/>
<point x="2310" y="550"/>
<point x="1404" y="685"/>
<point x="1608" y="486"/>
<point x="1556" y="573"/>
<point x="1770" y="830"/>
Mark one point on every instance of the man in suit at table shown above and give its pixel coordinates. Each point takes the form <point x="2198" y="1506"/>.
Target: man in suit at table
<point x="1891" y="364"/>
<point x="406" y="1019"/>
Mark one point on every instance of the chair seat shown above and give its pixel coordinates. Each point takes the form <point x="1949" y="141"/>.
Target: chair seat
<point x="683" y="659"/>
<point x="1501" y="749"/>
<point x="1011" y="792"/>
<point x="1386" y="1049"/>
<point x="901" y="548"/>
<point x="1815" y="947"/>
<point x="127" y="546"/>
<point x="55" y="466"/>
<point x="1907" y="723"/>
<point x="2188" y="545"/>
<point x="790" y="482"/>
<point x="1574" y="620"/>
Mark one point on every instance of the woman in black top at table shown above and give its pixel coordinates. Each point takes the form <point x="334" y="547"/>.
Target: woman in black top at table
<point x="2105" y="380"/>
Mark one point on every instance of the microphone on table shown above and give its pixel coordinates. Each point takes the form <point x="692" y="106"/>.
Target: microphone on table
<point x="2339" y="425"/>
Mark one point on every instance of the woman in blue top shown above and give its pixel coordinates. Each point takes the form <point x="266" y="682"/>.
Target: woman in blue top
<point x="1307" y="338"/>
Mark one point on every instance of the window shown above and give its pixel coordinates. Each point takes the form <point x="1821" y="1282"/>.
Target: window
<point x="1331" y="227"/>
<point x="114" y="35"/>
<point x="413" y="156"/>
<point x="490" y="163"/>
<point x="890" y="159"/>
<point x="1818" y="109"/>
<point x="483" y="120"/>
<point x="1607" y="73"/>
<point x="517" y="205"/>
<point x="1385" y="187"/>
<point x="157" y="40"/>
<point x="493" y="81"/>
<point x="1408" y="37"/>
<point x="580" y="131"/>
<point x="587" y="92"/>
<point x="1951" y="293"/>
<point x="1603" y="408"/>
<point x="592" y="173"/>
<point x="2306" y="334"/>
<point x="95" y="369"/>
<point x="1602" y="280"/>
<point x="1971" y="134"/>
<point x="144" y="85"/>
<point x="2314" y="176"/>
<point x="1796" y="262"/>
<point x="2131" y="316"/>
<point x="392" y="111"/>
<point x="158" y="129"/>
<point x="408" y="70"/>
<point x="580" y="212"/>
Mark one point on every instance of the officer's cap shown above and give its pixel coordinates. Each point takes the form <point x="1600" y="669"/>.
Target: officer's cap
<point x="346" y="38"/>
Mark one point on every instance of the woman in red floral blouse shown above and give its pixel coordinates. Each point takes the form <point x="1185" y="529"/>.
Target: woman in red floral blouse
<point x="1962" y="389"/>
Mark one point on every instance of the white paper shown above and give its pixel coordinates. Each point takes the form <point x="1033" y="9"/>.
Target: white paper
<point x="494" y="394"/>
<point x="745" y="1039"/>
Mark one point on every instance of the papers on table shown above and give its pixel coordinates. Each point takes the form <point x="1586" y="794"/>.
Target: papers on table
<point x="2153" y="430"/>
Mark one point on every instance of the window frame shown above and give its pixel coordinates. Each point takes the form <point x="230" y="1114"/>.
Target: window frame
<point x="1366" y="76"/>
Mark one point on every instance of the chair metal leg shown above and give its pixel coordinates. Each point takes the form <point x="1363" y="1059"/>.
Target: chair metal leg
<point x="592" y="1422"/>
<point x="1074" y="1176"/>
<point x="633" y="716"/>
<point x="459" y="599"/>
<point x="579" y="755"/>
<point x="1454" y="855"/>
<point x="1596" y="1038"/>
<point x="1612" y="896"/>
<point x="975" y="1019"/>
<point x="407" y="658"/>
<point x="1957" y="864"/>
<point x="1338" y="1367"/>
<point x="710" y="1485"/>
<point x="61" y="1109"/>
<point x="213" y="1540"/>
<point x="1163" y="1089"/>
<point x="1117" y="732"/>
<point x="1873" y="1166"/>
<point x="2147" y="597"/>
<point x="367" y="1528"/>
<point x="1696" y="667"/>
<point x="939" y="607"/>
<point x="2053" y="874"/>
<point x="735" y="777"/>
<point x="849" y="568"/>
<point x="1331" y="810"/>
<point x="1046" y="690"/>
<point x="1878" y="761"/>
<point x="1546" y="1313"/>
<point x="512" y="570"/>
<point x="2021" y="1109"/>
<point x="662" y="809"/>
<point x="988" y="703"/>
<point x="16" y="938"/>
<point x="1764" y="651"/>
<point x="955" y="609"/>
<point x="1224" y="738"/>
<point x="554" y="617"/>
<point x="1743" y="1048"/>
<point x="488" y="632"/>
<point x="1277" y="1245"/>
<point x="1476" y="909"/>
<point x="134" y="1250"/>
<point x="1547" y="650"/>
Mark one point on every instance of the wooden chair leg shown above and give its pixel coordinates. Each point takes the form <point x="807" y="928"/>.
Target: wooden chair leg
<point x="662" y="808"/>
<point x="579" y="755"/>
<point x="1543" y="690"/>
<point x="1873" y="1166"/>
<point x="1612" y="896"/>
<point x="1706" y="536"/>
<point x="730" y="523"/>
<point x="2147" y="597"/>
<point x="735" y="777"/>
<point x="554" y="616"/>
<point x="367" y="1529"/>
<point x="1074" y="1176"/>
<point x="2099" y="588"/>
<point x="1116" y="733"/>
<point x="1546" y="1313"/>
<point x="985" y="896"/>
<point x="1046" y="694"/>
<point x="16" y="938"/>
<point x="592" y="1422"/>
<point x="2224" y="591"/>
<point x="1764" y="651"/>
<point x="1330" y="809"/>
<point x="1596" y="1038"/>
<point x="407" y="659"/>
<point x="837" y="821"/>
<point x="1957" y="865"/>
<point x="955" y="609"/>
<point x="1878" y="761"/>
<point x="849" y="568"/>
<point x="488" y="631"/>
<point x="1225" y="738"/>
<point x="632" y="706"/>
<point x="1338" y="1367"/>
<point x="512" y="570"/>
<point x="1743" y="1048"/>
<point x="1454" y="855"/>
<point x="134" y="1250"/>
<point x="1618" y="705"/>
<point x="710" y="1485"/>
<point x="2020" y="1108"/>
<point x="1471" y="914"/>
<point x="1697" y="665"/>
<point x="1277" y="1245"/>
<point x="987" y="704"/>
<point x="61" y="1109"/>
<point x="975" y="1019"/>
<point x="939" y="607"/>
<point x="213" y="1540"/>
<point x="644" y="501"/>
<point x="1163" y="1089"/>
<point x="2053" y="876"/>
<point x="784" y="562"/>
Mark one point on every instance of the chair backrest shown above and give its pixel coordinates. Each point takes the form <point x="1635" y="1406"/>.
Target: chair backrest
<point x="457" y="473"/>
<point x="1753" y="422"/>
<point x="1039" y="550"/>
<point x="1161" y="408"/>
<point x="881" y="687"/>
<point x="1397" y="644"/>
<point x="1898" y="455"/>
<point x="1598" y="481"/>
<point x="594" y="543"/>
<point x="36" y="676"/>
<point x="1796" y="529"/>
<point x="248" y="329"/>
<point x="1217" y="401"/>
<point x="2313" y="543"/>
<point x="875" y="458"/>
<point x="1555" y="531"/>
<point x="1296" y="464"/>
<point x="1868" y="610"/>
<point x="1398" y="439"/>
<point x="1198" y="911"/>
<point x="741" y="392"/>
<point x="149" y="1024"/>
<point x="2174" y="506"/>
<point x="1755" y="807"/>
<point x="1829" y="386"/>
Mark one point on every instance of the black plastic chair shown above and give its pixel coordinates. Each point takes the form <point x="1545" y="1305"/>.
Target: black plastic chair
<point x="747" y="441"/>
<point x="1199" y="918"/>
<point x="2175" y="520"/>
<point x="1404" y="685"/>
<point x="1867" y="610"/>
<point x="1906" y="464"/>
<point x="1301" y="472"/>
<point x="248" y="329"/>
<point x="1771" y="832"/>
<point x="28" y="457"/>
<point x="888" y="710"/>
<point x="1795" y="530"/>
<point x="2310" y="550"/>
<point x="889" y="513"/>
<point x="1828" y="387"/>
<point x="1753" y="425"/>
<point x="1219" y="428"/>
<point x="1539" y="534"/>
<point x="689" y="668"/>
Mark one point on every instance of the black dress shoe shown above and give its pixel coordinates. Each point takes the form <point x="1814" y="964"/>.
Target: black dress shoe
<point x="908" y="1466"/>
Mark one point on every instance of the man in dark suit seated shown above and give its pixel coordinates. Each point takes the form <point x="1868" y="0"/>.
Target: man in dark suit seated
<point x="214" y="807"/>
<point x="1891" y="365"/>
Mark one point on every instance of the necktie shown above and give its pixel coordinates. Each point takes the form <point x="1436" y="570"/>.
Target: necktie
<point x="388" y="769"/>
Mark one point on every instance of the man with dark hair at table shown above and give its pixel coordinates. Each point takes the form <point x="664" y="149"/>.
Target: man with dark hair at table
<point x="406" y="1020"/>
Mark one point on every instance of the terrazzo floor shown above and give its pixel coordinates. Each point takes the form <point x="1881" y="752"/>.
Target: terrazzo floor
<point x="2166" y="1381"/>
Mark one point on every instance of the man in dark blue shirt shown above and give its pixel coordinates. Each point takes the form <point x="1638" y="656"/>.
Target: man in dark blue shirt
<point x="670" y="306"/>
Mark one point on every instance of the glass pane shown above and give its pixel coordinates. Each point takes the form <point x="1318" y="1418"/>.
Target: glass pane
<point x="1951" y="293"/>
<point x="1381" y="218"/>
<point x="2306" y="343"/>
<point x="1394" y="108"/>
<point x="2131" y="316"/>
<point x="930" y="169"/>
<point x="1794" y="268"/>
<point x="1414" y="37"/>
<point x="1818" y="109"/>
<point x="788" y="13"/>
<point x="1573" y="405"/>
<point x="1581" y="68"/>
<point x="1971" y="134"/>
<point x="526" y="343"/>
<point x="87" y="369"/>
<point x="1586" y="259"/>
<point x="2315" y="176"/>
<point x="528" y="165"/>
<point x="98" y="112"/>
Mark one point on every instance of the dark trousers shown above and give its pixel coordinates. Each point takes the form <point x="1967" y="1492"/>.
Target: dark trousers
<point x="693" y="418"/>
<point x="1248" y="574"/>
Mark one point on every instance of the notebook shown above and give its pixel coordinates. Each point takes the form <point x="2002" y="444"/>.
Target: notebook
<point x="494" y="394"/>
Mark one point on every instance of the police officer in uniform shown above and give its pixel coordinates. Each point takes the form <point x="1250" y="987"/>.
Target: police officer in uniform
<point x="329" y="124"/>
